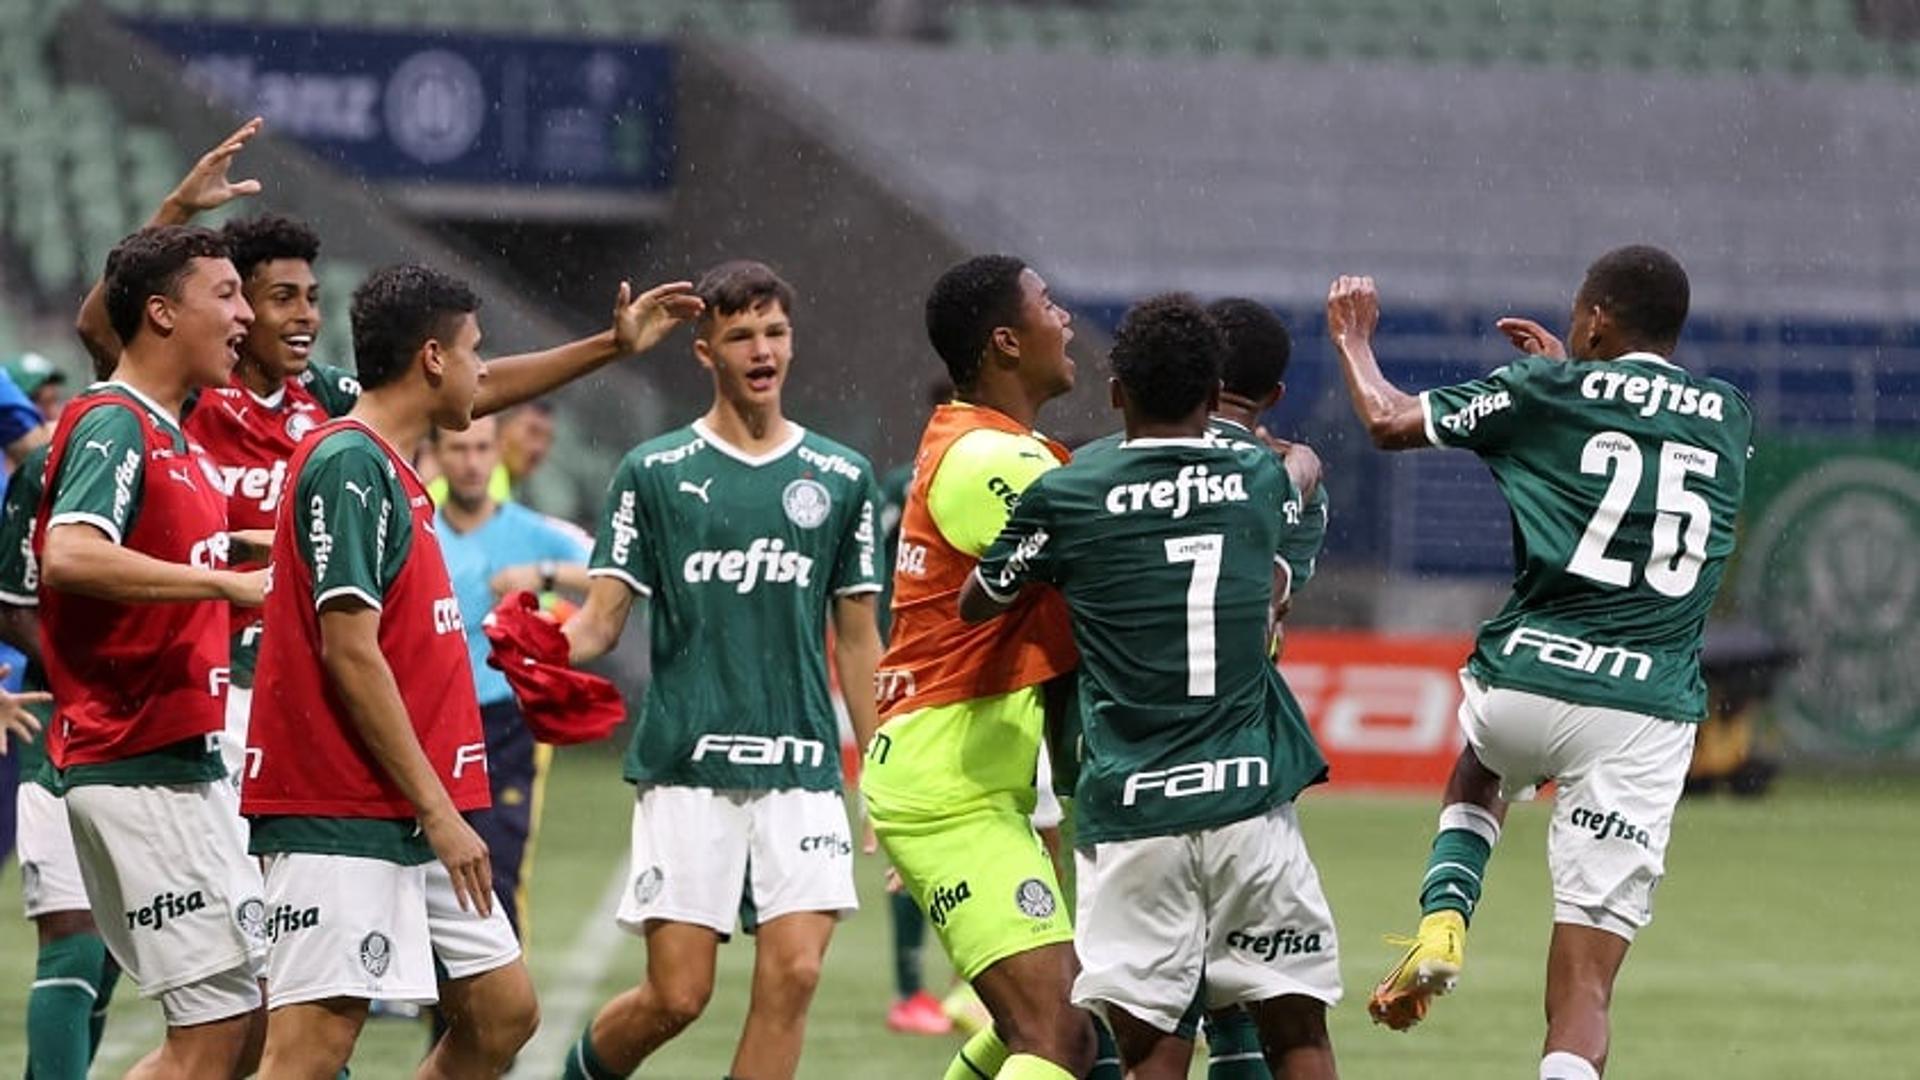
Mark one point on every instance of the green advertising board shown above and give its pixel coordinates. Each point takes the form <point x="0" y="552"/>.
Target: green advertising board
<point x="1829" y="564"/>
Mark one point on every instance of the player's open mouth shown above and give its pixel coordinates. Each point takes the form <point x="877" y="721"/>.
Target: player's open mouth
<point x="234" y="341"/>
<point x="300" y="345"/>
<point x="762" y="378"/>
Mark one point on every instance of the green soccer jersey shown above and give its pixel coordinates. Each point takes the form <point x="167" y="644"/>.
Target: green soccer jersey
<point x="893" y="505"/>
<point x="741" y="557"/>
<point x="20" y="585"/>
<point x="351" y="519"/>
<point x="1303" y="520"/>
<point x="1165" y="550"/>
<point x="1623" y="479"/>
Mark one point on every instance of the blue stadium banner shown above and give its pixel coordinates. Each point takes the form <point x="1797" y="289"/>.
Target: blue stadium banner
<point x="464" y="110"/>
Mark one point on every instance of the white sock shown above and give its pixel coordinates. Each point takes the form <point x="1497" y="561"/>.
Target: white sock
<point x="1561" y="1065"/>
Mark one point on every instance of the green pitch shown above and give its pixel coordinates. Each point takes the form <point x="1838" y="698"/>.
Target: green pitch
<point x="1774" y="953"/>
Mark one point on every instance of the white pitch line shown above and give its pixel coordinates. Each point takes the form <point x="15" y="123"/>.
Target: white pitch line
<point x="564" y="1007"/>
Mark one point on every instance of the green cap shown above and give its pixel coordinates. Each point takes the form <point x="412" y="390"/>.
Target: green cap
<point x="30" y="371"/>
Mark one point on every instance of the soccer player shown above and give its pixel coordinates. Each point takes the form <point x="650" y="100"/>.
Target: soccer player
<point x="250" y="425"/>
<point x="132" y="543"/>
<point x="950" y="779"/>
<point x="73" y="977"/>
<point x="493" y="548"/>
<point x="1624" y="473"/>
<point x="1189" y="856"/>
<point x="745" y="531"/>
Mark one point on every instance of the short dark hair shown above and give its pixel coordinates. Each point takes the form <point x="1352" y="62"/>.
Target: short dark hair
<point x="1168" y="353"/>
<point x="741" y="285"/>
<point x="395" y="312"/>
<point x="965" y="306"/>
<point x="266" y="237"/>
<point x="1258" y="346"/>
<point x="151" y="262"/>
<point x="1643" y="288"/>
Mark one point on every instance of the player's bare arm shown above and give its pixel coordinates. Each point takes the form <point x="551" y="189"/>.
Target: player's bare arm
<point x="1393" y="417"/>
<point x="205" y="187"/>
<point x="350" y="650"/>
<point x="639" y="323"/>
<point x="856" y="654"/>
<point x="1303" y="465"/>
<point x="542" y="577"/>
<point x="595" y="628"/>
<point x="977" y="605"/>
<point x="79" y="558"/>
<point x="250" y="545"/>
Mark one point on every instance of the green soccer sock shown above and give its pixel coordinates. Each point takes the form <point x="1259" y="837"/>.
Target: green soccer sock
<point x="584" y="1064"/>
<point x="1029" y="1067"/>
<point x="1233" y="1047"/>
<point x="909" y="934"/>
<point x="980" y="1059"/>
<point x="1458" y="863"/>
<point x="1106" y="1054"/>
<point x="67" y="982"/>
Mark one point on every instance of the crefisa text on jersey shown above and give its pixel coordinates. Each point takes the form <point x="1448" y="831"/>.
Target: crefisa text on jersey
<point x="1195" y="485"/>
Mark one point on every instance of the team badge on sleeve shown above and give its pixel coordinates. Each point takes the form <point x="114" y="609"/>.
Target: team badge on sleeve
<point x="806" y="503"/>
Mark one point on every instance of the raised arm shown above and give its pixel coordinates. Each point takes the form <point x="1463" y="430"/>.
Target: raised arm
<point x="350" y="652"/>
<point x="639" y="323"/>
<point x="204" y="187"/>
<point x="1393" y="418"/>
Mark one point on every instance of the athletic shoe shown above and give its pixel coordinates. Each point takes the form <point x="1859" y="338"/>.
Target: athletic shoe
<point x="965" y="1009"/>
<point x="1431" y="966"/>
<point x="918" y="1015"/>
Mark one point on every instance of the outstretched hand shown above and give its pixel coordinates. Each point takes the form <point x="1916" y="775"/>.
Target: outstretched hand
<point x="206" y="185"/>
<point x="1353" y="309"/>
<point x="16" y="723"/>
<point x="640" y="322"/>
<point x="1532" y="338"/>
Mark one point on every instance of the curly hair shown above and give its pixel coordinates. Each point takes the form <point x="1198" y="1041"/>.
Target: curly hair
<point x="1167" y="354"/>
<point x="266" y="237"/>
<point x="395" y="312"/>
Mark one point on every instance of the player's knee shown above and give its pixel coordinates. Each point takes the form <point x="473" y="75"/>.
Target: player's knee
<point x="681" y="1001"/>
<point x="519" y="1019"/>
<point x="1293" y="1021"/>
<point x="796" y="977"/>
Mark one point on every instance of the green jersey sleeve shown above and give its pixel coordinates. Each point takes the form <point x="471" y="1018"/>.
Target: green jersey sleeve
<point x="1023" y="552"/>
<point x="857" y="569"/>
<point x="1482" y="415"/>
<point x="1303" y="532"/>
<point x="352" y="523"/>
<point x="617" y="548"/>
<point x="101" y="471"/>
<point x="19" y="570"/>
<point x="337" y="389"/>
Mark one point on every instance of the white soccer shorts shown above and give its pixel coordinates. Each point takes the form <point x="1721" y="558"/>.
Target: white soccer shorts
<point x="173" y="892"/>
<point x="1618" y="777"/>
<point x="233" y="738"/>
<point x="695" y="848"/>
<point x="49" y="870"/>
<point x="1239" y="905"/>
<point x="345" y="926"/>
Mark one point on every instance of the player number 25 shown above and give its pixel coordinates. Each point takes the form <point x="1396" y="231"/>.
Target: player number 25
<point x="1203" y="551"/>
<point x="1681" y="522"/>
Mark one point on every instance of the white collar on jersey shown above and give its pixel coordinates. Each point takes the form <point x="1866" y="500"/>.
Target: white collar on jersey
<point x="1229" y="421"/>
<point x="271" y="401"/>
<point x="144" y="400"/>
<point x="1651" y="358"/>
<point x="1144" y="444"/>
<point x="786" y="446"/>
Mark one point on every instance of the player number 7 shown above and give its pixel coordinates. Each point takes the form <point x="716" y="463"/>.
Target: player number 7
<point x="1681" y="523"/>
<point x="1203" y="551"/>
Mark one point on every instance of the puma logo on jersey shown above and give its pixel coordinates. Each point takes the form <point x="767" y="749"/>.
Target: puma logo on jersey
<point x="358" y="492"/>
<point x="1194" y="486"/>
<point x="260" y="484"/>
<point x="1197" y="778"/>
<point x="764" y="560"/>
<point x="1653" y="394"/>
<point x="698" y="489"/>
<point x="184" y="477"/>
<point x="105" y="448"/>
<point x="1560" y="650"/>
<point x="761" y="749"/>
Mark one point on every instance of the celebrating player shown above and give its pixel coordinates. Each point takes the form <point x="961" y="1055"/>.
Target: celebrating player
<point x="1189" y="857"/>
<point x="950" y="778"/>
<point x="1624" y="474"/>
<point x="745" y="530"/>
<point x="133" y="593"/>
<point x="250" y="424"/>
